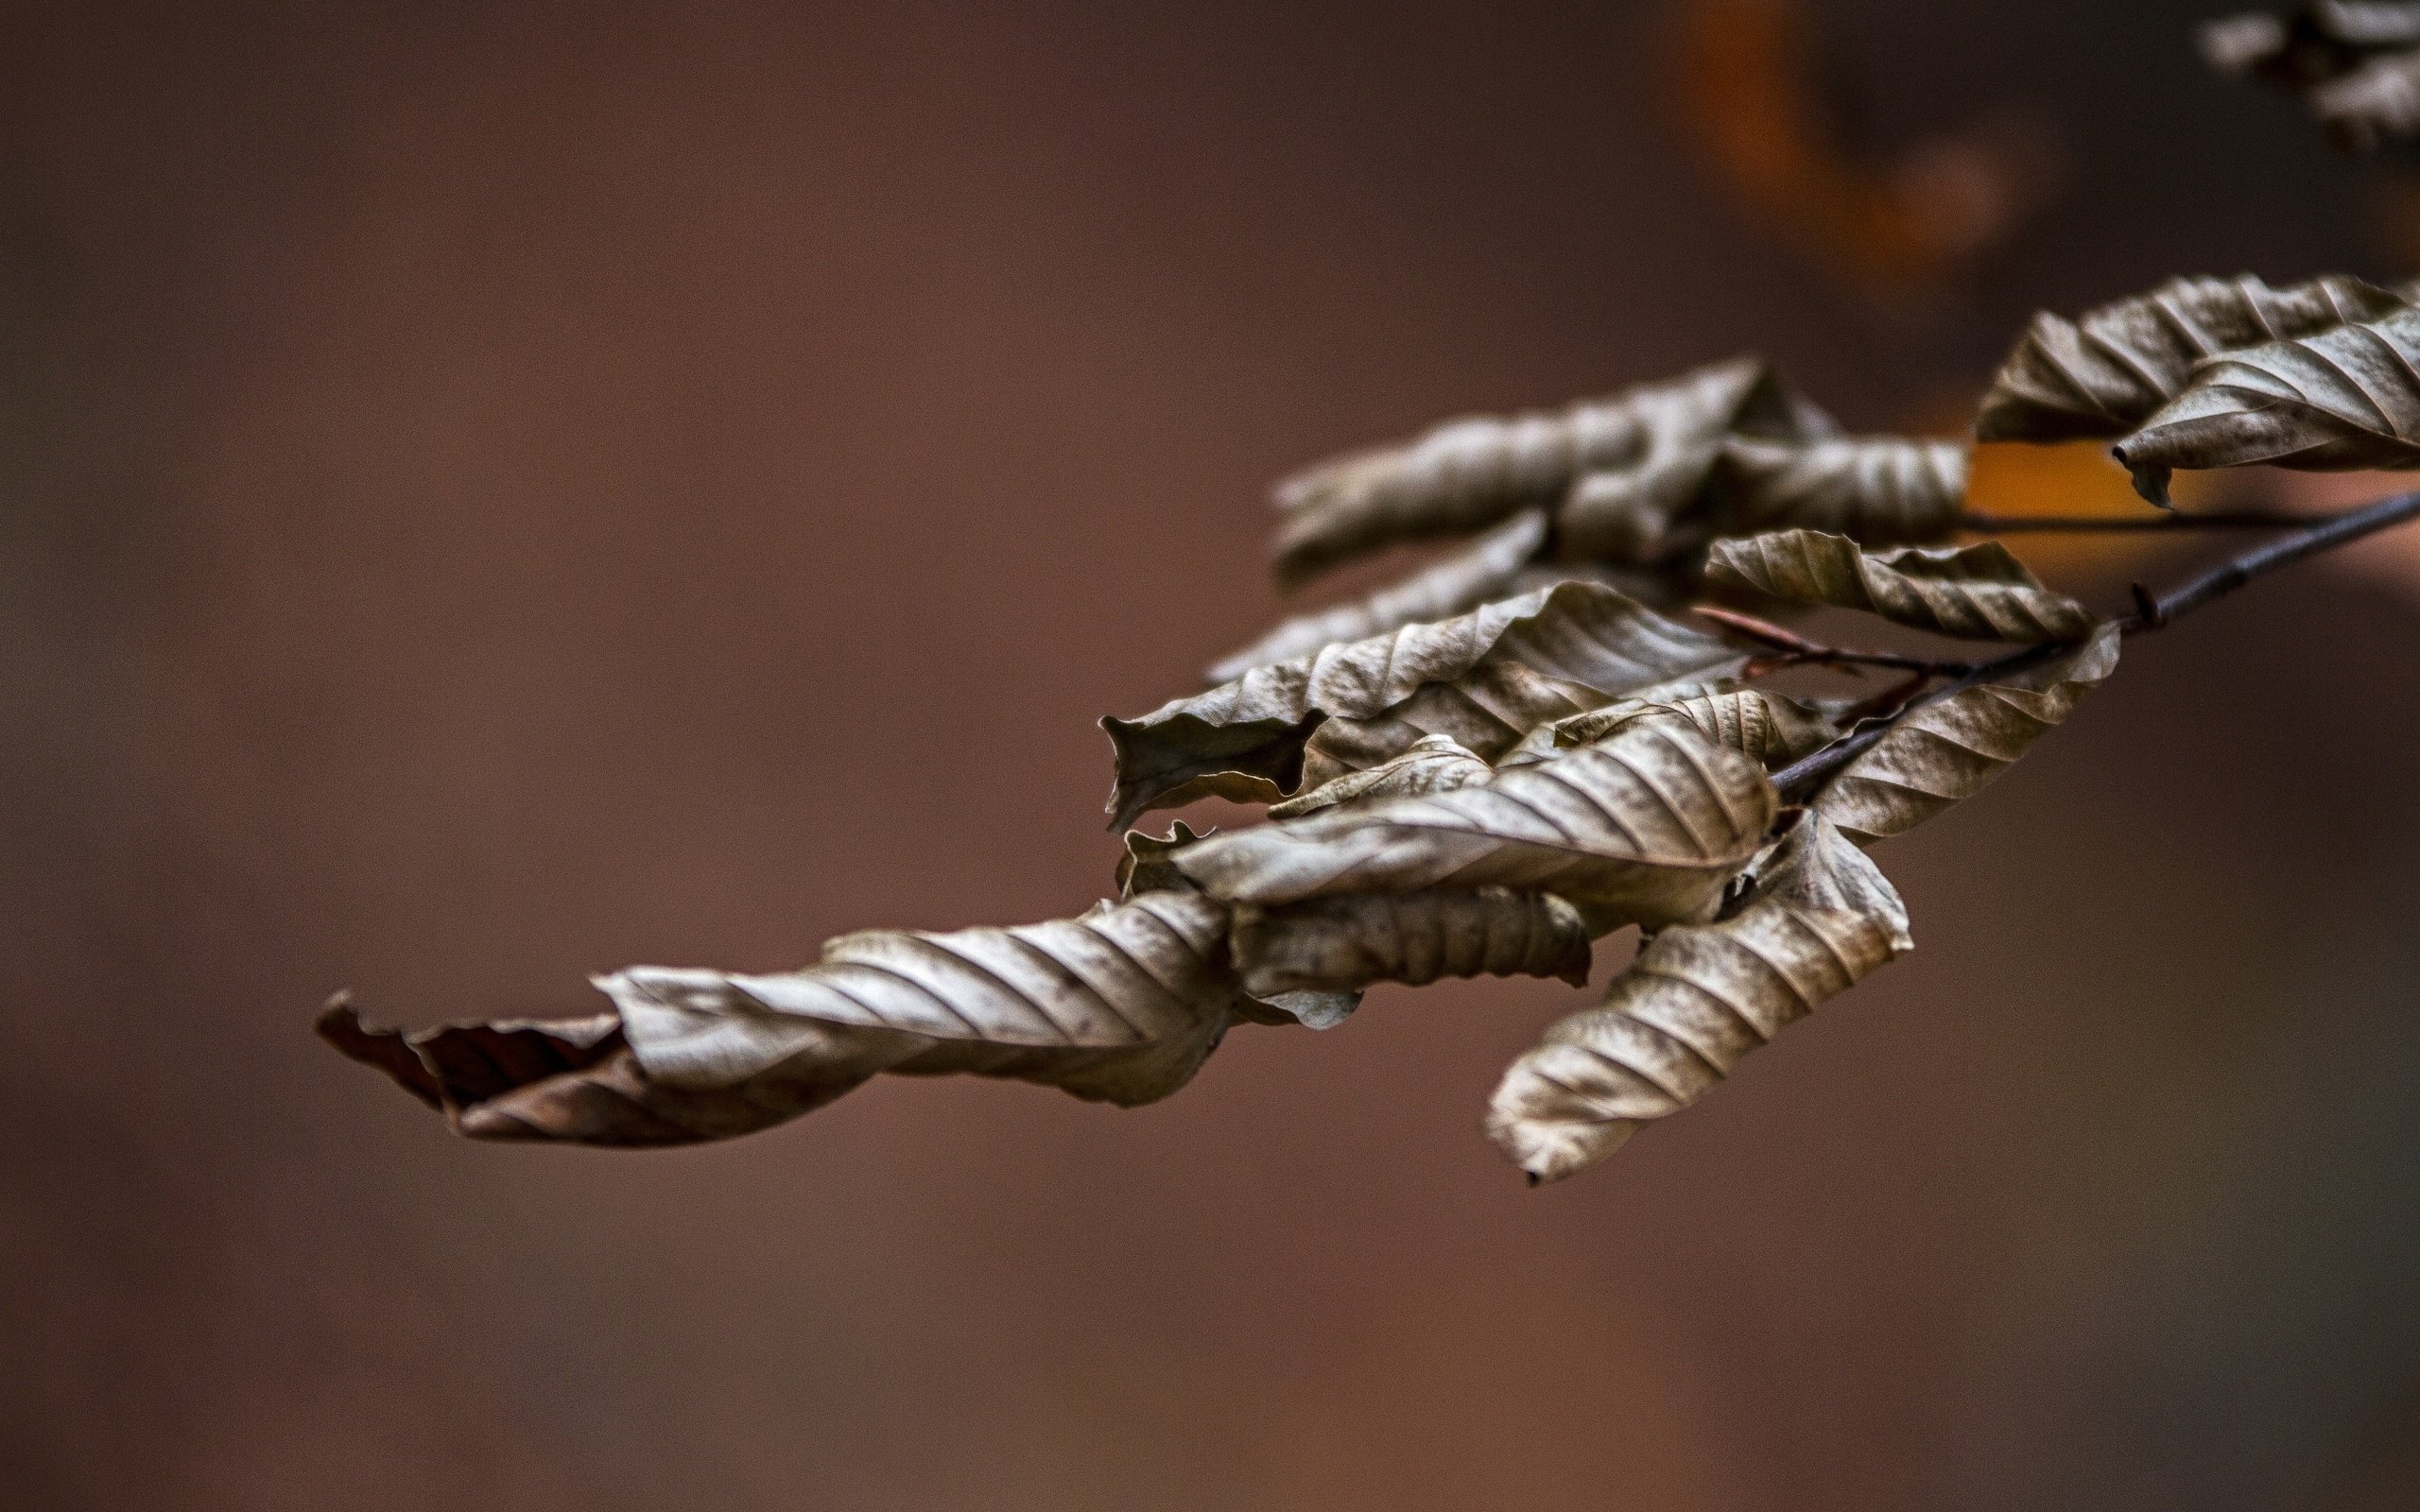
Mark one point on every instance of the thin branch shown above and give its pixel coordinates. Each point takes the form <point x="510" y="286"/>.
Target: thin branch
<point x="2326" y="533"/>
<point x="1796" y="648"/>
<point x="1982" y="523"/>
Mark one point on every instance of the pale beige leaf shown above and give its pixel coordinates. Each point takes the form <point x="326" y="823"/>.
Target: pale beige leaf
<point x="1485" y="678"/>
<point x="1766" y="726"/>
<point x="1120" y="1006"/>
<point x="1882" y="491"/>
<point x="1148" y="865"/>
<point x="2371" y="104"/>
<point x="1647" y="826"/>
<point x="2346" y="399"/>
<point x="1435" y="763"/>
<point x="1943" y="752"/>
<point x="1818" y="920"/>
<point x="2099" y="377"/>
<point x="1349" y="942"/>
<point x="1977" y="593"/>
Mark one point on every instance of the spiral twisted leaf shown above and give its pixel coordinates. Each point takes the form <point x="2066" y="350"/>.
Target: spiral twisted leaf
<point x="1348" y="942"/>
<point x="1485" y="679"/>
<point x="1976" y="592"/>
<point x="1819" y="918"/>
<point x="1121" y="1006"/>
<point x="1882" y="491"/>
<point x="1645" y="827"/>
<point x="2099" y="377"/>
<point x="2346" y="399"/>
<point x="1943" y="752"/>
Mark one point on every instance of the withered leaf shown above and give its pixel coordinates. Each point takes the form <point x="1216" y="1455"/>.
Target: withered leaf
<point x="1348" y="942"/>
<point x="1882" y="491"/>
<point x="1147" y="865"/>
<point x="1977" y="593"/>
<point x="1947" y="750"/>
<point x="2347" y="398"/>
<point x="1766" y="726"/>
<point x="2101" y="375"/>
<point x="1820" y="917"/>
<point x="1435" y="763"/>
<point x="1647" y="826"/>
<point x="1121" y="1006"/>
<point x="1485" y="678"/>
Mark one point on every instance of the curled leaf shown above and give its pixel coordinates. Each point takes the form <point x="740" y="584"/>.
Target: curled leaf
<point x="1766" y="726"/>
<point x="1121" y="1006"/>
<point x="1979" y="592"/>
<point x="1881" y="490"/>
<point x="1148" y="867"/>
<point x="1485" y="678"/>
<point x="2101" y="375"/>
<point x="1943" y="752"/>
<point x="1647" y="827"/>
<point x="1818" y="920"/>
<point x="1435" y="763"/>
<point x="1348" y="942"/>
<point x="2345" y="399"/>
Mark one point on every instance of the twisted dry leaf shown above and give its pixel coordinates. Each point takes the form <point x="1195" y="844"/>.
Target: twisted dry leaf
<point x="2345" y="399"/>
<point x="1435" y="763"/>
<point x="1121" y="1006"/>
<point x="2099" y="377"/>
<point x="1976" y="592"/>
<point x="1883" y="490"/>
<point x="1485" y="678"/>
<point x="1332" y="944"/>
<point x="1943" y="752"/>
<point x="1766" y="726"/>
<point x="1645" y="827"/>
<point x="1148" y="867"/>
<point x="1699" y="997"/>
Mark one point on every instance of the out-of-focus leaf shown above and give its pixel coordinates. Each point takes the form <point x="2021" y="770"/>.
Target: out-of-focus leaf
<point x="1947" y="750"/>
<point x="1977" y="593"/>
<point x="1630" y="511"/>
<point x="1470" y="474"/>
<point x="1121" y="1006"/>
<point x="1820" y="917"/>
<point x="1435" y="763"/>
<point x="1645" y="826"/>
<point x="1348" y="942"/>
<point x="1882" y="491"/>
<point x="1766" y="726"/>
<point x="2356" y="65"/>
<point x="1485" y="677"/>
<point x="2346" y="399"/>
<point x="2371" y="104"/>
<point x="2101" y="375"/>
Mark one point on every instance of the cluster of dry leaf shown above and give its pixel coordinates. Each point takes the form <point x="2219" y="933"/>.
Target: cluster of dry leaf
<point x="1516" y="750"/>
<point x="2355" y="64"/>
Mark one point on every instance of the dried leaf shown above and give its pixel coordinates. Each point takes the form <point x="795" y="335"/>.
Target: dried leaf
<point x="2356" y="65"/>
<point x="1647" y="826"/>
<point x="1348" y="942"/>
<point x="1121" y="1006"/>
<point x="1765" y="726"/>
<point x="1148" y="865"/>
<point x="1947" y="750"/>
<point x="1977" y="593"/>
<point x="1699" y="997"/>
<point x="1485" y="678"/>
<point x="1470" y="474"/>
<point x="2345" y="399"/>
<point x="1435" y="763"/>
<point x="1882" y="491"/>
<point x="2099" y="377"/>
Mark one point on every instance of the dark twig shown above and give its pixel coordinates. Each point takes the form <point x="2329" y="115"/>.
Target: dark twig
<point x="1982" y="523"/>
<point x="1801" y="779"/>
<point x="1798" y="650"/>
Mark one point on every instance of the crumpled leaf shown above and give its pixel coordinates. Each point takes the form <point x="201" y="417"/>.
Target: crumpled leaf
<point x="1148" y="865"/>
<point x="1976" y="592"/>
<point x="2101" y="375"/>
<point x="1819" y="918"/>
<point x="1121" y="1006"/>
<point x="1485" y="677"/>
<point x="1881" y="490"/>
<point x="1766" y="726"/>
<point x="1653" y="440"/>
<point x="1435" y="763"/>
<point x="1348" y="942"/>
<point x="1633" y="511"/>
<point x="1948" y="751"/>
<point x="2346" y="399"/>
<point x="1645" y="826"/>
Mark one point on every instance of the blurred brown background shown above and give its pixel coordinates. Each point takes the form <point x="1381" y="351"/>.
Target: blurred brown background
<point x="497" y="492"/>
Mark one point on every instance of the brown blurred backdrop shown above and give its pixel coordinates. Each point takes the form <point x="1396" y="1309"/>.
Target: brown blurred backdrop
<point x="497" y="492"/>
